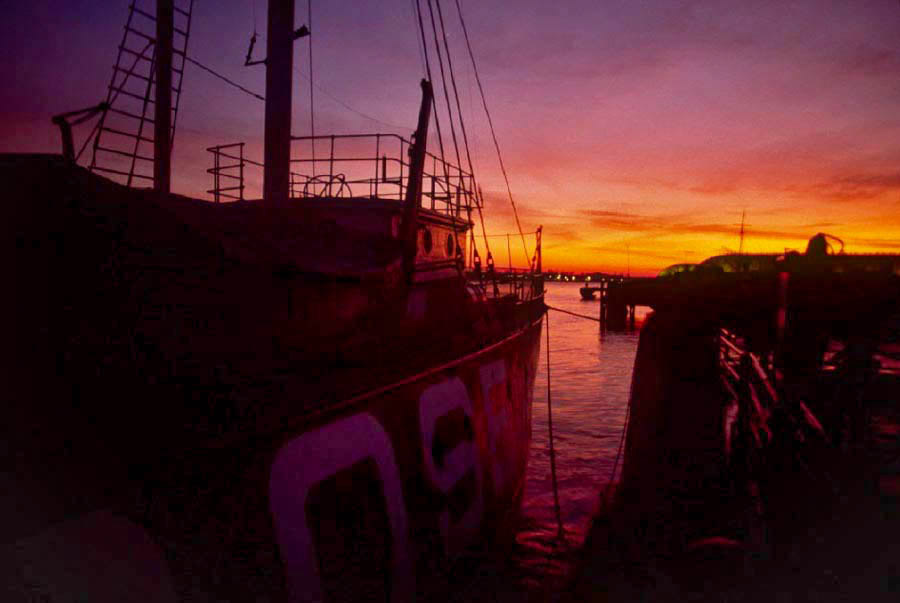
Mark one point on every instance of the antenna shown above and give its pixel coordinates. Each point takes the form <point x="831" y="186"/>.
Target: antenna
<point x="628" y="256"/>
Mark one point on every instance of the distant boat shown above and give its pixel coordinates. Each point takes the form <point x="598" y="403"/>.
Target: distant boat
<point x="587" y="292"/>
<point x="297" y="397"/>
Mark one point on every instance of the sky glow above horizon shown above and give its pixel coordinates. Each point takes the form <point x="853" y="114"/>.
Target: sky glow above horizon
<point x="636" y="133"/>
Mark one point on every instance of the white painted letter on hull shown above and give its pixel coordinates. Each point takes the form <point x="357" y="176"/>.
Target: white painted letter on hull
<point x="446" y="468"/>
<point x="314" y="457"/>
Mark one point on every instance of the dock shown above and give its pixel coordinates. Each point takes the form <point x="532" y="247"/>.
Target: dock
<point x="762" y="445"/>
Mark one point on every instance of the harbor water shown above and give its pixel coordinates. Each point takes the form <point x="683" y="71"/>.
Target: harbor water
<point x="590" y="380"/>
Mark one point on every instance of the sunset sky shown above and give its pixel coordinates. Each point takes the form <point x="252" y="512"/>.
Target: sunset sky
<point x="635" y="132"/>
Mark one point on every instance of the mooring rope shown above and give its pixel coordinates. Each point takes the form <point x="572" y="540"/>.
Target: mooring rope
<point x="573" y="313"/>
<point x="560" y="534"/>
<point x="604" y="499"/>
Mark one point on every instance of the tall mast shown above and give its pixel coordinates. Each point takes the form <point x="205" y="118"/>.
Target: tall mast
<point x="162" y="118"/>
<point x="408" y="228"/>
<point x="279" y="76"/>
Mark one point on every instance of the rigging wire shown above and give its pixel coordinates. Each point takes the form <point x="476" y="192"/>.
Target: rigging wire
<point x="418" y="38"/>
<point x="312" y="110"/>
<point x="437" y="47"/>
<point x="491" y="124"/>
<point x="462" y="126"/>
<point x="304" y="76"/>
<point x="459" y="113"/>
<point x="223" y="78"/>
<point x="330" y="95"/>
<point x="498" y="236"/>
<point x="437" y="120"/>
<point x="479" y="200"/>
<point x="479" y="203"/>
<point x="348" y="107"/>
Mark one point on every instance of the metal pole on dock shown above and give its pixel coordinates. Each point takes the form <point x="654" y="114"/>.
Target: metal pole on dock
<point x="603" y="301"/>
<point x="162" y="118"/>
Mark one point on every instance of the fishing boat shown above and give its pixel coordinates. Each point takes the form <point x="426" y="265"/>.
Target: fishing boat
<point x="300" y="397"/>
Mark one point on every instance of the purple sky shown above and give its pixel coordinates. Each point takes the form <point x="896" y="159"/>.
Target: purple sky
<point x="647" y="124"/>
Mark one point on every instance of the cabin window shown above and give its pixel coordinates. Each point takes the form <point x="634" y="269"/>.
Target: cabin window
<point x="450" y="245"/>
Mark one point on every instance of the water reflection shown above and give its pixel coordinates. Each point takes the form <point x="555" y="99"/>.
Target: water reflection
<point x="590" y="383"/>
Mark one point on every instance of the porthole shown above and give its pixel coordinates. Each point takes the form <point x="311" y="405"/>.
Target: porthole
<point x="427" y="243"/>
<point x="450" y="245"/>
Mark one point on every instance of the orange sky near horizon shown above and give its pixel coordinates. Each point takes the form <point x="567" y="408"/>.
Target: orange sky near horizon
<point x="635" y="133"/>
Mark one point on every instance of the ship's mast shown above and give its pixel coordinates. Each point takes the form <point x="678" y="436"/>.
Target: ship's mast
<point x="162" y="118"/>
<point x="279" y="76"/>
<point x="409" y="226"/>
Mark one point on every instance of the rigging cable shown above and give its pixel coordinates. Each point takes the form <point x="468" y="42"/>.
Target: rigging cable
<point x="437" y="46"/>
<point x="437" y="121"/>
<point x="312" y="111"/>
<point x="304" y="76"/>
<point x="326" y="93"/>
<point x="223" y="78"/>
<point x="459" y="114"/>
<point x="479" y="203"/>
<point x="462" y="126"/>
<point x="348" y="107"/>
<point x="418" y="38"/>
<point x="491" y="124"/>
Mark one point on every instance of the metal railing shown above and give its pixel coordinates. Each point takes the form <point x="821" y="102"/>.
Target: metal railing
<point x="497" y="281"/>
<point x="228" y="173"/>
<point x="376" y="166"/>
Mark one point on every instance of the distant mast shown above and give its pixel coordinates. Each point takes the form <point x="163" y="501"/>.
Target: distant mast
<point x="162" y="117"/>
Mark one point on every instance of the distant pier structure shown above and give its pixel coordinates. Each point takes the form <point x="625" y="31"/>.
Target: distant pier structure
<point x="617" y="313"/>
<point x="763" y="432"/>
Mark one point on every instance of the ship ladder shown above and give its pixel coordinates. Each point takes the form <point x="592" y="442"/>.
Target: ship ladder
<point x="123" y="138"/>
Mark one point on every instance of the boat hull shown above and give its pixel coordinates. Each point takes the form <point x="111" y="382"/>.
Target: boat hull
<point x="236" y="427"/>
<point x="372" y="500"/>
<point x="439" y="458"/>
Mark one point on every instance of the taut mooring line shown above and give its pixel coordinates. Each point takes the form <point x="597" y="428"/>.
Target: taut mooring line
<point x="572" y="313"/>
<point x="560" y="533"/>
<point x="606" y="491"/>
